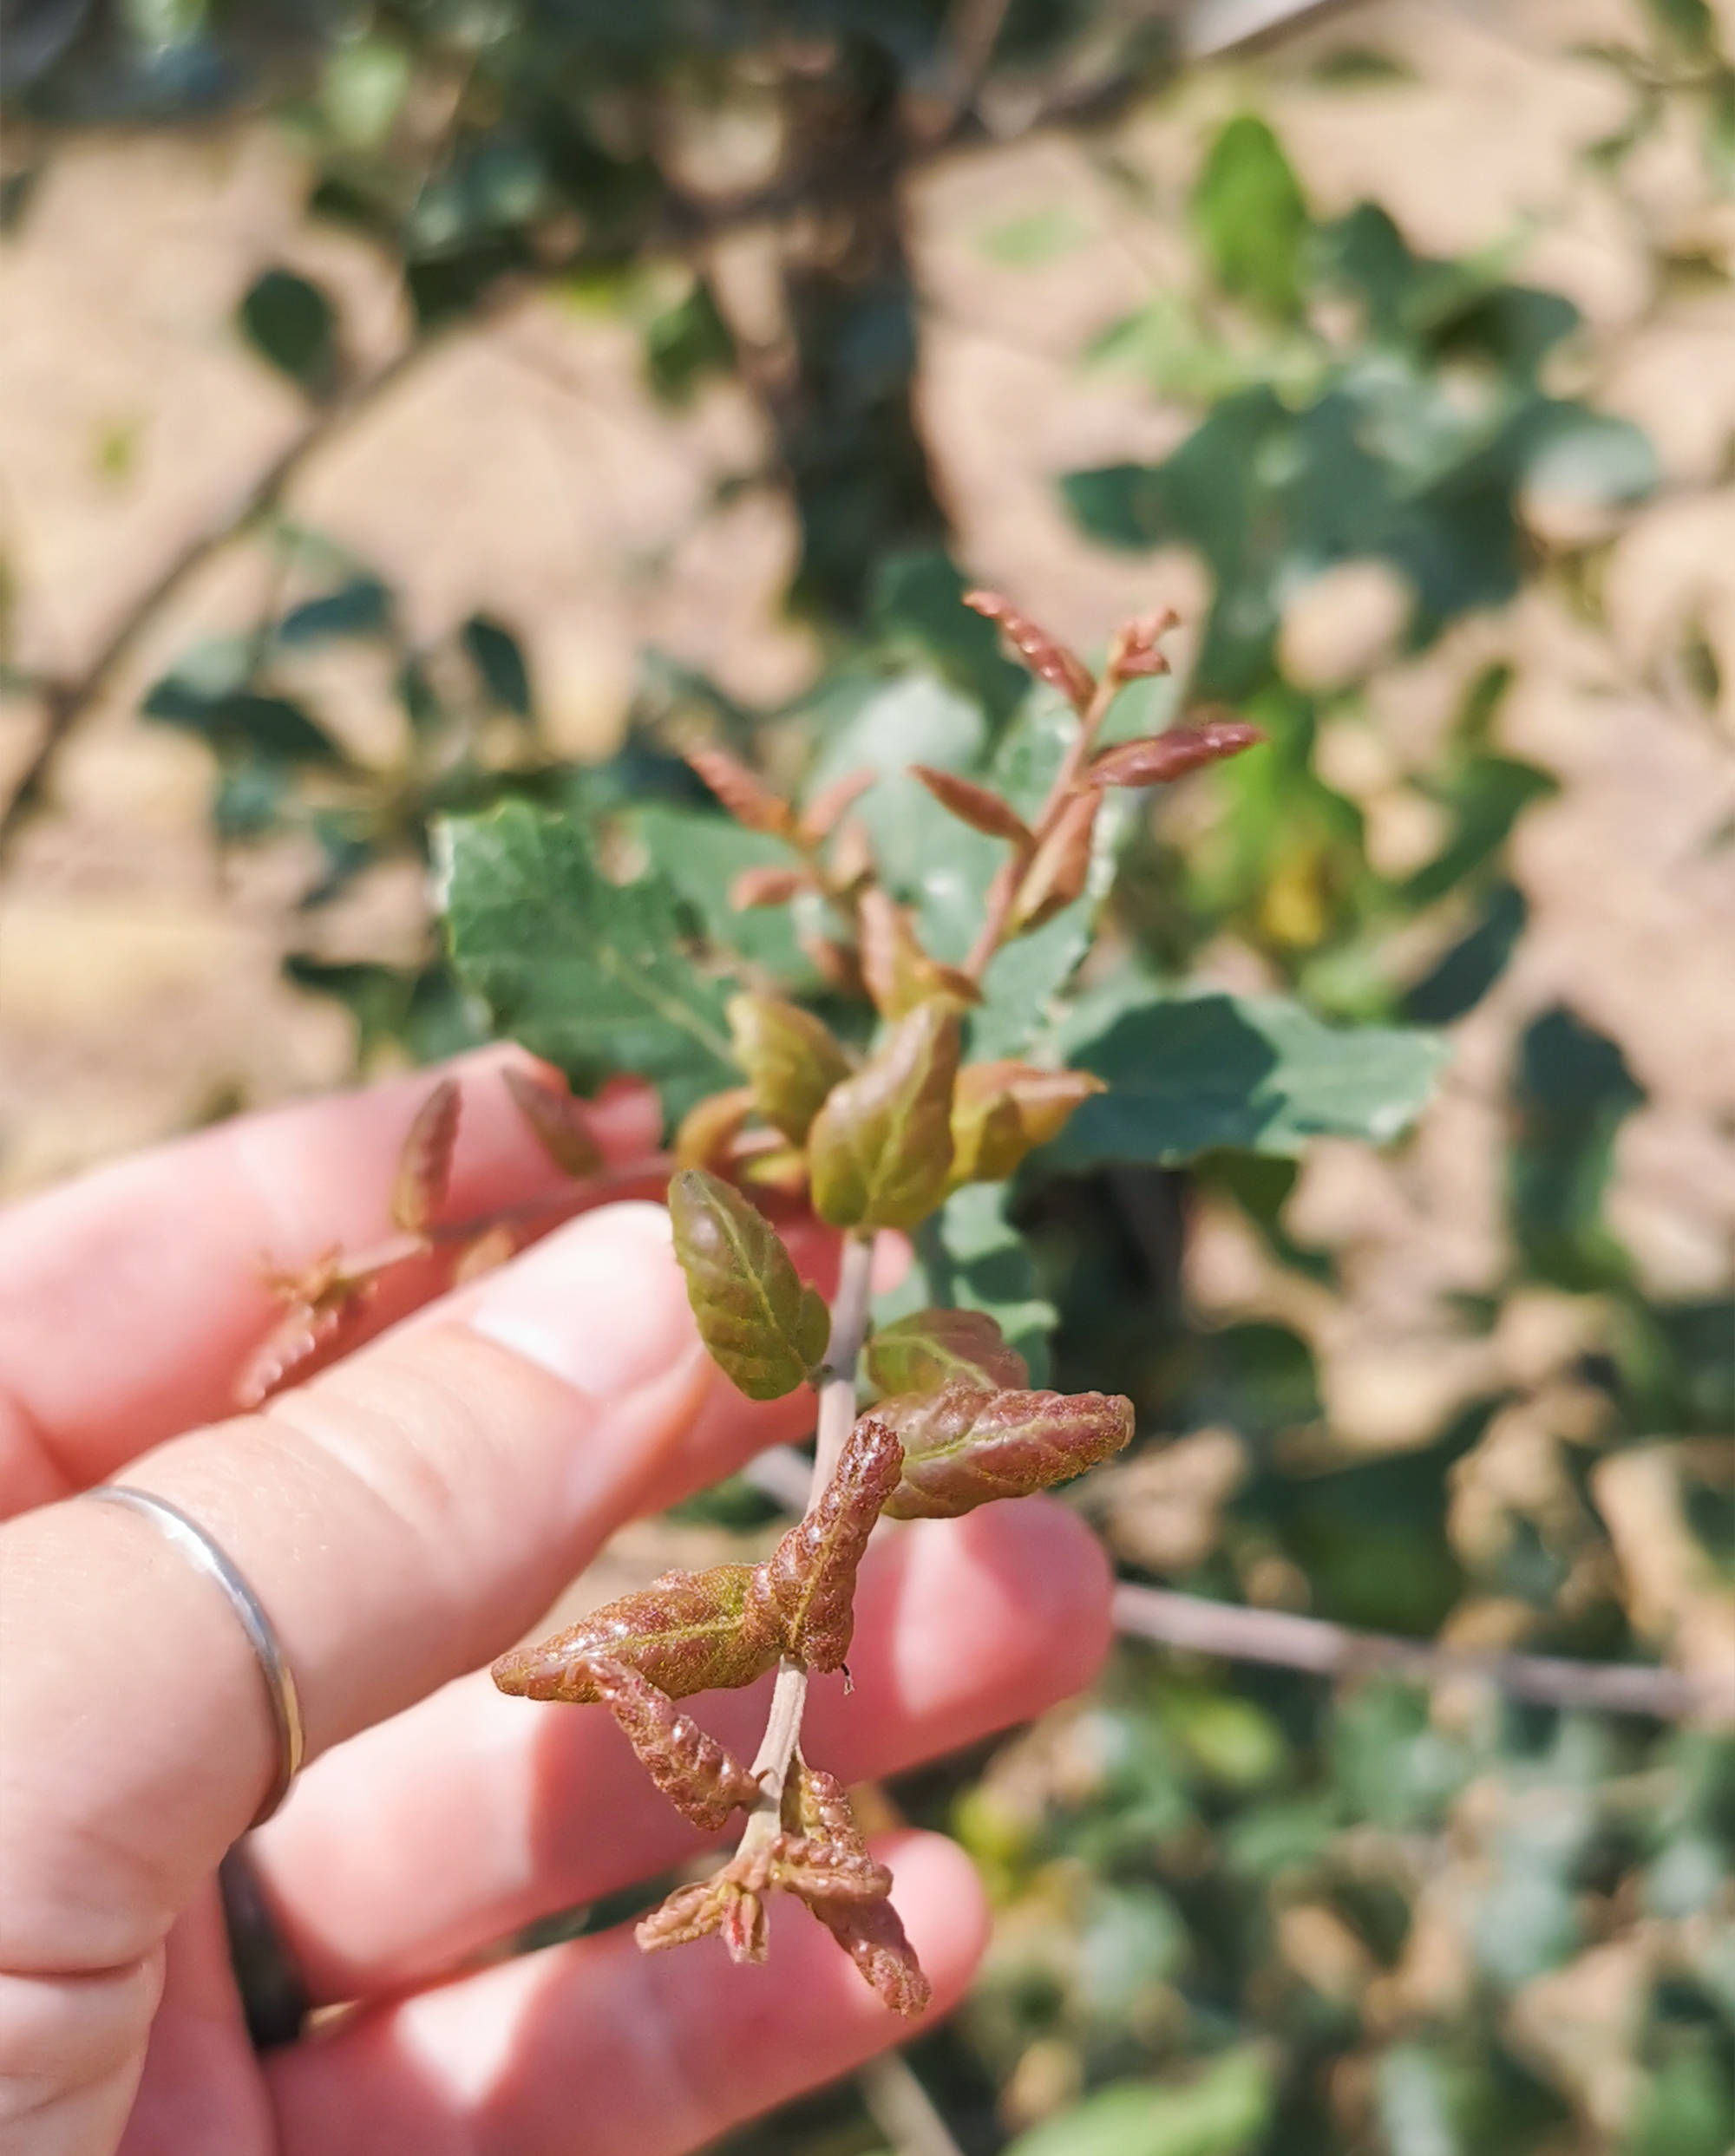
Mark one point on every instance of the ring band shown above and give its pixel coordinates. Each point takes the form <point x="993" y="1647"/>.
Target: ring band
<point x="191" y="1539"/>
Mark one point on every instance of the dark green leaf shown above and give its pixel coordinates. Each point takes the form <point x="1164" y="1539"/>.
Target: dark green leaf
<point x="1573" y="1092"/>
<point x="588" y="973"/>
<point x="362" y="608"/>
<point x="291" y="323"/>
<point x="686" y="343"/>
<point x="499" y="660"/>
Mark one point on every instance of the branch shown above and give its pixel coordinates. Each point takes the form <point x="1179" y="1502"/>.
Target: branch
<point x="1311" y="1643"/>
<point x="902" y="2109"/>
<point x="67" y="702"/>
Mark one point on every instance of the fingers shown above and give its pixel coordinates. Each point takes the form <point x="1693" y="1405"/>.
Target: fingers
<point x="131" y="1299"/>
<point x="450" y="1827"/>
<point x="402" y="1519"/>
<point x="596" y="2046"/>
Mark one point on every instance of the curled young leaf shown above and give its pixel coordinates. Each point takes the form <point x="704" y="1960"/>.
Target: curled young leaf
<point x="852" y="857"/>
<point x="557" y="1122"/>
<point x="791" y="1060"/>
<point x="837" y="1884"/>
<point x="763" y="1327"/>
<point x="424" y="1165"/>
<point x="767" y="887"/>
<point x="704" y="1782"/>
<point x="809" y="1578"/>
<point x="1047" y="658"/>
<point x="873" y="1935"/>
<point x="965" y="1446"/>
<point x="817" y="1805"/>
<point x="930" y="1348"/>
<point x="880" y="1150"/>
<point x="976" y="805"/>
<point x="1001" y="1111"/>
<point x="829" y="808"/>
<point x="687" y="1632"/>
<point x="1060" y="869"/>
<point x="301" y="1333"/>
<point x="1173" y="754"/>
<point x="1134" y="651"/>
<point x="898" y="972"/>
<point x="742" y="793"/>
<point x="710" y="1127"/>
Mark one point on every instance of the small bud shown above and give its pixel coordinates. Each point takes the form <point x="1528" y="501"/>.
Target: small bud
<point x="941" y="1347"/>
<point x="557" y="1122"/>
<point x="827" y="810"/>
<point x="300" y="1334"/>
<point x="1047" y="659"/>
<point x="489" y="1249"/>
<point x="1173" y="754"/>
<point x="880" y="1150"/>
<point x="703" y="1782"/>
<point x="1061" y="869"/>
<point x="1134" y="651"/>
<point x="709" y="1128"/>
<point x="965" y="1446"/>
<point x="976" y="805"/>
<point x="1002" y="1111"/>
<point x="763" y="1327"/>
<point x="687" y="1632"/>
<point x="742" y="793"/>
<point x="898" y="972"/>
<point x="809" y="1578"/>
<point x="791" y="1058"/>
<point x="817" y="1805"/>
<point x="767" y="887"/>
<point x="424" y="1165"/>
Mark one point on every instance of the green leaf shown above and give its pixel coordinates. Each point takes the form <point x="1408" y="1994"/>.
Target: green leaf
<point x="497" y="659"/>
<point x="238" y="720"/>
<point x="1222" y="2112"/>
<point x="699" y="855"/>
<point x="763" y="1328"/>
<point x="969" y="1256"/>
<point x="1251" y="218"/>
<point x="1573" y="1091"/>
<point x="791" y="1061"/>
<point x="588" y="973"/>
<point x="292" y="324"/>
<point x="360" y="608"/>
<point x="929" y="1349"/>
<point x="880" y="1148"/>
<point x="686" y="342"/>
<point x="1189" y="1073"/>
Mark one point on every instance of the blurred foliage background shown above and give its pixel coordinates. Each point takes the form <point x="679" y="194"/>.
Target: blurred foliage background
<point x="413" y="403"/>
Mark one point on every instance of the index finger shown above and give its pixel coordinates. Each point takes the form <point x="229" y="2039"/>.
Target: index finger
<point x="131" y="1299"/>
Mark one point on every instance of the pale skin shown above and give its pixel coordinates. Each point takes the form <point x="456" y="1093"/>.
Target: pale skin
<point x="403" y="1517"/>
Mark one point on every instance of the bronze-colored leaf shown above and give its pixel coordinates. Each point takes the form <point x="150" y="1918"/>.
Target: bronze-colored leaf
<point x="836" y="965"/>
<point x="930" y="1348"/>
<point x="704" y="1782"/>
<point x="1045" y="657"/>
<point x="688" y="1632"/>
<point x="767" y="887"/>
<point x="828" y="809"/>
<point x="557" y="1122"/>
<point x="763" y="1327"/>
<point x="809" y="1578"/>
<point x="1002" y="1111"/>
<point x="897" y="971"/>
<point x="791" y="1060"/>
<point x="1060" y="869"/>
<point x="709" y="1128"/>
<point x="880" y="1150"/>
<point x="852" y="857"/>
<point x="781" y="1169"/>
<point x="873" y="1935"/>
<point x="976" y="805"/>
<point x="817" y="1805"/>
<point x="484" y="1253"/>
<point x="965" y="1445"/>
<point x="424" y="1165"/>
<point x="1134" y="651"/>
<point x="742" y="793"/>
<point x="1173" y="754"/>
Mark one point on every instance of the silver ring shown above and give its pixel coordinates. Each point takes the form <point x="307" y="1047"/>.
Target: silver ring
<point x="191" y="1539"/>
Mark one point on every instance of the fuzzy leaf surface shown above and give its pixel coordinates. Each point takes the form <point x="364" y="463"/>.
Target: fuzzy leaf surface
<point x="687" y="1632"/>
<point x="811" y="1576"/>
<point x="588" y="973"/>
<point x="880" y="1148"/>
<point x="791" y="1059"/>
<point x="557" y="1123"/>
<point x="424" y="1165"/>
<point x="929" y="1349"/>
<point x="763" y="1328"/>
<point x="965" y="1446"/>
<point x="704" y="1782"/>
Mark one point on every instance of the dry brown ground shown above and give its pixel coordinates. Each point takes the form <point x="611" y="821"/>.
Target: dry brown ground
<point x="524" y="469"/>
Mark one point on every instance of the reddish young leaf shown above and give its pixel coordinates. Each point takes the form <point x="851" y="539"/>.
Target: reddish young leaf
<point x="709" y="1128"/>
<point x="1060" y="869"/>
<point x="491" y="1248"/>
<point x="976" y="805"/>
<point x="852" y="857"/>
<point x="1002" y="1111"/>
<point x="703" y="1782"/>
<point x="809" y="1578"/>
<point x="880" y="1148"/>
<point x="1048" y="659"/>
<point x="764" y="1329"/>
<point x="965" y="1446"/>
<point x="827" y="809"/>
<point x="688" y="1632"/>
<point x="1134" y="651"/>
<point x="424" y="1165"/>
<point x="742" y="793"/>
<point x="873" y="1937"/>
<point x="817" y="1805"/>
<point x="1173" y="754"/>
<point x="557" y="1122"/>
<point x="767" y="887"/>
<point x="791" y="1060"/>
<point x="920" y="1353"/>
<point x="897" y="971"/>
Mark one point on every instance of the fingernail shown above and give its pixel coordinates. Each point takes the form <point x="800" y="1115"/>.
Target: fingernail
<point x="601" y="1304"/>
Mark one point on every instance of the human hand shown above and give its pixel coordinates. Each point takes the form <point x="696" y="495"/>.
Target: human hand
<point x="402" y="1518"/>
